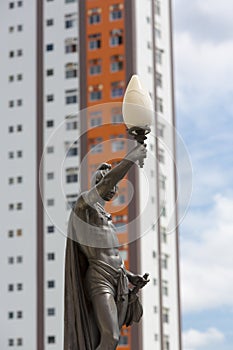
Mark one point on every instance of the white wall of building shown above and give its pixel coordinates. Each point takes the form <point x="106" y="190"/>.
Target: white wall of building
<point x="17" y="85"/>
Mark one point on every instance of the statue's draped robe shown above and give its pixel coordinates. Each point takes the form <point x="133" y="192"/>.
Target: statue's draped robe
<point x="79" y="332"/>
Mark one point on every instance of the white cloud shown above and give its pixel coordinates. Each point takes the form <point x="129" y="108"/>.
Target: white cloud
<point x="206" y="258"/>
<point x="209" y="20"/>
<point x="194" y="340"/>
<point x="203" y="73"/>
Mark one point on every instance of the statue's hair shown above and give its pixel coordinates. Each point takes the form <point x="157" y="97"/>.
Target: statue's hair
<point x="101" y="171"/>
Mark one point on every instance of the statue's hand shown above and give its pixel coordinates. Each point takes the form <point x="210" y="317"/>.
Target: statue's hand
<point x="137" y="153"/>
<point x="138" y="280"/>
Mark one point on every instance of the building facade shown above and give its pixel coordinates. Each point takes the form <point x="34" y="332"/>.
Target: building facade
<point x="59" y="58"/>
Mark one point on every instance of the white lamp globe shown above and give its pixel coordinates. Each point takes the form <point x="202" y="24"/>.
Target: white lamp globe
<point x="137" y="106"/>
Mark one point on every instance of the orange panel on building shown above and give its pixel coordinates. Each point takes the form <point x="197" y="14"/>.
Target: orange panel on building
<point x="105" y="83"/>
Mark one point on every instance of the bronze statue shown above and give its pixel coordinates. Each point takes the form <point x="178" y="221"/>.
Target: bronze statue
<point x="96" y="281"/>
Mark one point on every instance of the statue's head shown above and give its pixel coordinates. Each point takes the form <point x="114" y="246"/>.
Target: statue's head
<point x="100" y="173"/>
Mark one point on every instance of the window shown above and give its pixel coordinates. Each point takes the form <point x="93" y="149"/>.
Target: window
<point x="161" y="156"/>
<point x="71" y="148"/>
<point x="19" y="128"/>
<point x="159" y="105"/>
<point x="11" y="103"/>
<point x="162" y="181"/>
<point x="71" y="96"/>
<point x="11" y="5"/>
<point x="11" y="342"/>
<point x="95" y="66"/>
<point x="95" y="118"/>
<point x="165" y="287"/>
<point x="158" y="79"/>
<point x="50" y="229"/>
<point x="50" y="149"/>
<point x="50" y="98"/>
<point x="11" y="206"/>
<point x="10" y="155"/>
<point x="116" y="12"/>
<point x="49" y="72"/>
<point x="165" y="315"/>
<point x="71" y="200"/>
<point x="71" y="175"/>
<point x="19" y="314"/>
<point x="120" y="227"/>
<point x="19" y="52"/>
<point x="160" y="130"/>
<point x="116" y="37"/>
<point x="51" y="339"/>
<point x="19" y="27"/>
<point x="19" y="259"/>
<point x="50" y="176"/>
<point x="119" y="200"/>
<point x="94" y="15"/>
<point x="163" y="234"/>
<point x="95" y="92"/>
<point x="11" y="54"/>
<point x="70" y="20"/>
<point x="19" y="102"/>
<point x="11" y="78"/>
<point x="19" y="232"/>
<point x="20" y="3"/>
<point x="50" y="202"/>
<point x="10" y="287"/>
<point x="117" y="115"/>
<point x="10" y="314"/>
<point x="19" y="179"/>
<point x="19" y="341"/>
<point x="50" y="123"/>
<point x="117" y="145"/>
<point x="158" y="56"/>
<point x="10" y="260"/>
<point x="51" y="284"/>
<point x="51" y="256"/>
<point x="150" y="69"/>
<point x="117" y="89"/>
<point x="163" y="209"/>
<point x="71" y="45"/>
<point x="71" y="124"/>
<point x="96" y="145"/>
<point x="51" y="311"/>
<point x="19" y="206"/>
<point x="49" y="47"/>
<point x="158" y="32"/>
<point x="19" y="286"/>
<point x="10" y="233"/>
<point x="71" y="70"/>
<point x="10" y="129"/>
<point x="116" y="64"/>
<point x="94" y="41"/>
<point x="70" y="1"/>
<point x="164" y="261"/>
<point x="157" y="7"/>
<point x="49" y="22"/>
<point x="19" y="77"/>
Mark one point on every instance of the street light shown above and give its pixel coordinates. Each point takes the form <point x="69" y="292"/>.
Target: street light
<point x="137" y="110"/>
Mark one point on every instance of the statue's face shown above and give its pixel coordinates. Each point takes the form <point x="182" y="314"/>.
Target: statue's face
<point x="110" y="194"/>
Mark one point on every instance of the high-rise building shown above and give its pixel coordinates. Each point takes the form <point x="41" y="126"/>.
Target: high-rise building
<point x="58" y="58"/>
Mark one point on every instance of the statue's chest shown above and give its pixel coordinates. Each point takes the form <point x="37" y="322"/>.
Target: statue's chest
<point x="99" y="217"/>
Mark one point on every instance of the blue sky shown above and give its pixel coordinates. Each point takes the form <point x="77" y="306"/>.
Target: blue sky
<point x="203" y="44"/>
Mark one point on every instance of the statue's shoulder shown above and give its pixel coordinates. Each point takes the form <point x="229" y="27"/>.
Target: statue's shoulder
<point x="81" y="203"/>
